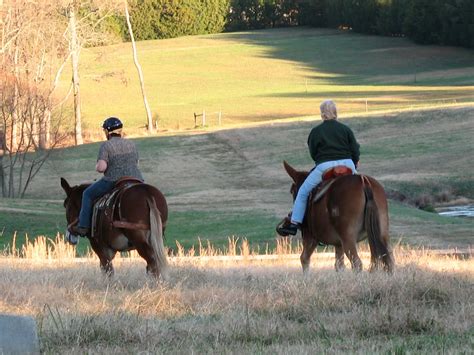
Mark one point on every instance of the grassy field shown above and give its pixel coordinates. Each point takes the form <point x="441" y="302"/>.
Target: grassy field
<point x="231" y="182"/>
<point x="212" y="307"/>
<point x="268" y="75"/>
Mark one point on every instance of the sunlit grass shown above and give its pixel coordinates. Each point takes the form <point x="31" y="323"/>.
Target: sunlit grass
<point x="266" y="75"/>
<point x="224" y="304"/>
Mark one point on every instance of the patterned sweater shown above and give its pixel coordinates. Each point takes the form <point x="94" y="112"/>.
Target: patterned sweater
<point x="122" y="159"/>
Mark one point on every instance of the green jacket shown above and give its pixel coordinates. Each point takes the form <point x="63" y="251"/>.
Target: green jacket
<point x="332" y="140"/>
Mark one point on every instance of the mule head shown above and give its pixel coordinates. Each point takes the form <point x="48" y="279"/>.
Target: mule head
<point x="73" y="200"/>
<point x="298" y="178"/>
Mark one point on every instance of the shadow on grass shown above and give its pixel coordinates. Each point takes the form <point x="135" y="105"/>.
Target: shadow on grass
<point x="353" y="59"/>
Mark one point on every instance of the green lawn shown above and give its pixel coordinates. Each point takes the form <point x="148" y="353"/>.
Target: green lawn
<point x="232" y="183"/>
<point x="267" y="75"/>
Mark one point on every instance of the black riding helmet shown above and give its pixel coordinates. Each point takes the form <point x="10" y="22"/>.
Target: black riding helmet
<point x="112" y="124"/>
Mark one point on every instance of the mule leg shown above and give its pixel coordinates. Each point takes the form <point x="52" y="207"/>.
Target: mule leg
<point x="146" y="253"/>
<point x="145" y="250"/>
<point x="106" y="266"/>
<point x="308" y="249"/>
<point x="350" y="249"/>
<point x="374" y="262"/>
<point x="388" y="260"/>
<point x="339" y="265"/>
<point x="106" y="256"/>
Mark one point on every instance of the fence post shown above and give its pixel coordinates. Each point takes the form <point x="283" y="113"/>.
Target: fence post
<point x="203" y="117"/>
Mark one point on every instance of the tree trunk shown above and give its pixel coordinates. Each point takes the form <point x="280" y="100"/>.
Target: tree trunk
<point x="16" y="98"/>
<point x="139" y="69"/>
<point x="2" y="169"/>
<point x="45" y="127"/>
<point x="75" y="50"/>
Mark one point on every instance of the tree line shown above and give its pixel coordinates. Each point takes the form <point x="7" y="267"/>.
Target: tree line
<point x="447" y="22"/>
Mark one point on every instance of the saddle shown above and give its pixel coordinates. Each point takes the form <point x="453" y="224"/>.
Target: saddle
<point x="106" y="209"/>
<point x="328" y="178"/>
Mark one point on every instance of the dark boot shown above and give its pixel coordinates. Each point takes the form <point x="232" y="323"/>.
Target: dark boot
<point x="82" y="231"/>
<point x="288" y="229"/>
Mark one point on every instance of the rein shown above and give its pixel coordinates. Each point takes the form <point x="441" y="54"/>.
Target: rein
<point x="73" y="223"/>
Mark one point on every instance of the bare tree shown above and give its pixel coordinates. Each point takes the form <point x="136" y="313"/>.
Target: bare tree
<point x="83" y="18"/>
<point x="75" y="48"/>
<point x="139" y="69"/>
<point x="21" y="163"/>
<point x="32" y="58"/>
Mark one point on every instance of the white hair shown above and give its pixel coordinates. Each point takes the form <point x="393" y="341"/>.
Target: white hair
<point x="328" y="110"/>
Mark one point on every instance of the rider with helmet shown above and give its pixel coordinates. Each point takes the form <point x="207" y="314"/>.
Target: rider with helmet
<point x="118" y="157"/>
<point x="330" y="144"/>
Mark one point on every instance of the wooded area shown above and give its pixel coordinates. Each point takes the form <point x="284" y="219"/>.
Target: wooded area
<point x="448" y="22"/>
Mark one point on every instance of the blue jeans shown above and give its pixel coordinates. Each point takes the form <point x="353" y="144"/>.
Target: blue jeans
<point x="313" y="179"/>
<point x="96" y="190"/>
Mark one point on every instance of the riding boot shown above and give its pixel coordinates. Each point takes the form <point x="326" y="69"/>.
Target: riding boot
<point x="289" y="229"/>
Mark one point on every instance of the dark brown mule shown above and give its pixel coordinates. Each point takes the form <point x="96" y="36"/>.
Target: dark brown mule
<point x="136" y="220"/>
<point x="353" y="208"/>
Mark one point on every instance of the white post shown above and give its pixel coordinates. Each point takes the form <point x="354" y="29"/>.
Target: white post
<point x="203" y="117"/>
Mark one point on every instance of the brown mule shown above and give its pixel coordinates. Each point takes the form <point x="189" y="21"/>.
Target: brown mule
<point x="135" y="221"/>
<point x="353" y="208"/>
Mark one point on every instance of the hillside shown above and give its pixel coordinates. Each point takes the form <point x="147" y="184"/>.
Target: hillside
<point x="231" y="182"/>
<point x="266" y="75"/>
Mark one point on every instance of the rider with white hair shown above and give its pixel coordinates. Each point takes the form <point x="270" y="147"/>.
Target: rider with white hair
<point x="331" y="144"/>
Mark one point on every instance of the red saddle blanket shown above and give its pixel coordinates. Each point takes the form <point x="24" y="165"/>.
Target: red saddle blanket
<point x="328" y="178"/>
<point x="339" y="170"/>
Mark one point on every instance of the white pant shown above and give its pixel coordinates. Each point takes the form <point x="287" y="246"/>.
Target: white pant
<point x="313" y="179"/>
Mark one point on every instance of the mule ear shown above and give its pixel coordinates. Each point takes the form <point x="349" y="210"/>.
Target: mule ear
<point x="65" y="186"/>
<point x="289" y="169"/>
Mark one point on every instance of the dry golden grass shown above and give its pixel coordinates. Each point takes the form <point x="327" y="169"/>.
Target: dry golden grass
<point x="250" y="304"/>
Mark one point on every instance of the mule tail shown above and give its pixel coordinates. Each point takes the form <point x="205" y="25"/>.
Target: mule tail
<point x="156" y="238"/>
<point x="378" y="247"/>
